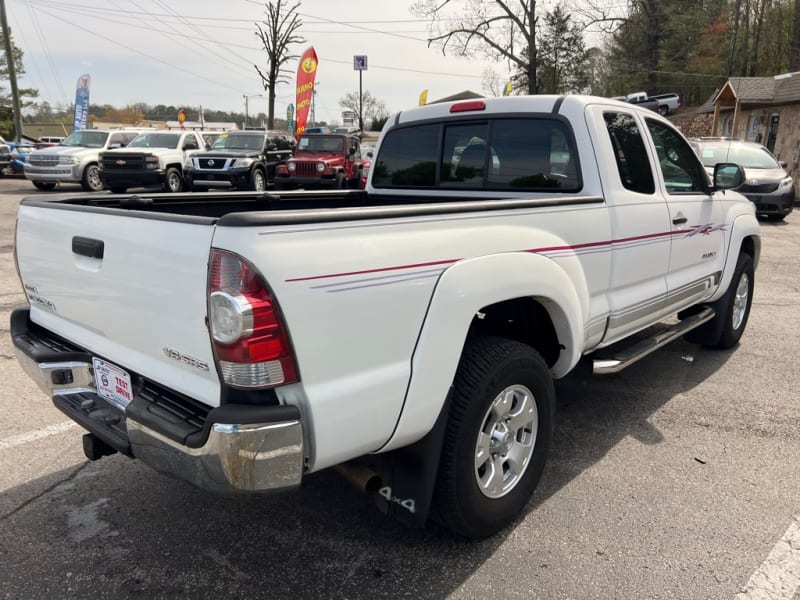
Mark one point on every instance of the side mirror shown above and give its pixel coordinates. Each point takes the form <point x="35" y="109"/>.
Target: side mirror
<point x="369" y="154"/>
<point x="728" y="176"/>
<point x="782" y="163"/>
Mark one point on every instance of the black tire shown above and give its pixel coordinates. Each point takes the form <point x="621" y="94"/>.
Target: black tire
<point x="732" y="310"/>
<point x="663" y="110"/>
<point x="173" y="180"/>
<point x="91" y="180"/>
<point x="44" y="185"/>
<point x="492" y="369"/>
<point x="258" y="180"/>
<point x="116" y="189"/>
<point x="341" y="181"/>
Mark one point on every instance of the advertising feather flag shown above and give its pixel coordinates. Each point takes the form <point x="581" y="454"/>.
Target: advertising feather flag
<point x="81" y="115"/>
<point x="306" y="72"/>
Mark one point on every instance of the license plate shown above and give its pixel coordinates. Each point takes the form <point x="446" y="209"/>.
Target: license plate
<point x="113" y="383"/>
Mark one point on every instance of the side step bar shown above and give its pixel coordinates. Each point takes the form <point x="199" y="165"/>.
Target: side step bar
<point x="628" y="356"/>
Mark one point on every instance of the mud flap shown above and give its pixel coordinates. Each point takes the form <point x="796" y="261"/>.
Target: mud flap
<point x="408" y="475"/>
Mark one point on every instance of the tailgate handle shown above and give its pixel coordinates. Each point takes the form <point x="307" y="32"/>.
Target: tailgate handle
<point x="88" y="247"/>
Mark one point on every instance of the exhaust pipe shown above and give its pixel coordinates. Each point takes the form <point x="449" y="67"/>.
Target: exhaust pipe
<point x="365" y="479"/>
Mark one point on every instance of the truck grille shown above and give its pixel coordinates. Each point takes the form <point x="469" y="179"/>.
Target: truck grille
<point x="212" y="163"/>
<point x="306" y="169"/>
<point x="43" y="161"/>
<point x="124" y="162"/>
<point x="761" y="188"/>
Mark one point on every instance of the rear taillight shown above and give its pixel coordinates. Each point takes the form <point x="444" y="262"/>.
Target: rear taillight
<point x="251" y="344"/>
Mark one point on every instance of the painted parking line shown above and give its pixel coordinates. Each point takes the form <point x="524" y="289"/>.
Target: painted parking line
<point x="31" y="436"/>
<point x="778" y="577"/>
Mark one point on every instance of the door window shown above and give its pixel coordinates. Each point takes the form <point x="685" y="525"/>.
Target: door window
<point x="680" y="168"/>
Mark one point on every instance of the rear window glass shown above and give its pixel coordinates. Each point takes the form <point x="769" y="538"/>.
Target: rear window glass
<point x="526" y="154"/>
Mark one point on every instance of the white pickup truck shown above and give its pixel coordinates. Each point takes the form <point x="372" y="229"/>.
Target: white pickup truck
<point x="153" y="158"/>
<point x="407" y="334"/>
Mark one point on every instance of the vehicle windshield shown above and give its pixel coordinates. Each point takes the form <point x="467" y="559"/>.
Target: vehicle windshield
<point x="86" y="139"/>
<point x="321" y="143"/>
<point x="156" y="140"/>
<point x="233" y="141"/>
<point x="750" y="157"/>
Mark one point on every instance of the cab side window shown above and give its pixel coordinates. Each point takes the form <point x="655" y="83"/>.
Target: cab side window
<point x="679" y="165"/>
<point x="117" y="140"/>
<point x="629" y="152"/>
<point x="408" y="158"/>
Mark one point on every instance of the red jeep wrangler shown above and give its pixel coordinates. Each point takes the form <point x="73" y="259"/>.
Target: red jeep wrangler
<point x="323" y="161"/>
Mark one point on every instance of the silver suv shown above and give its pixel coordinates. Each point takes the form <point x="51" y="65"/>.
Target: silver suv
<point x="75" y="160"/>
<point x="766" y="184"/>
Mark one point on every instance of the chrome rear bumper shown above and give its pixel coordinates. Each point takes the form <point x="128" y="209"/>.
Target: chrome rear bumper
<point x="240" y="448"/>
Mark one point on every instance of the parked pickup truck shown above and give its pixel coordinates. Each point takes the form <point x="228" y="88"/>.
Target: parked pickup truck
<point x="407" y="334"/>
<point x="153" y="158"/>
<point x="663" y="104"/>
<point x="243" y="160"/>
<point x="672" y="102"/>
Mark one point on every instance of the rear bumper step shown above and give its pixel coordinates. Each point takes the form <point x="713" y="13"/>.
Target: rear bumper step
<point x="632" y="354"/>
<point x="234" y="448"/>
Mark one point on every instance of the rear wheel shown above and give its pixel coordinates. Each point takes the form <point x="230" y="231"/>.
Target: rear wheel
<point x="258" y="181"/>
<point x="663" y="110"/>
<point x="173" y="180"/>
<point x="91" y="180"/>
<point x="44" y="185"/>
<point x="498" y="434"/>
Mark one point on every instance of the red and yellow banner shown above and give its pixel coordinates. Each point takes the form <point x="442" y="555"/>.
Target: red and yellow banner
<point x="306" y="72"/>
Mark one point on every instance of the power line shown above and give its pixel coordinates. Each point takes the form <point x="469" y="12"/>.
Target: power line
<point x="151" y="57"/>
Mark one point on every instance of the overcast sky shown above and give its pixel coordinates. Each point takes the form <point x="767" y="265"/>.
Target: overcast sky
<point x="199" y="52"/>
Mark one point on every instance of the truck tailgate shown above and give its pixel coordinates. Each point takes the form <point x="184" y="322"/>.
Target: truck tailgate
<point x="130" y="290"/>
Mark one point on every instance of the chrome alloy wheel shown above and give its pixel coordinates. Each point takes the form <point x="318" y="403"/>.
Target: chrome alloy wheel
<point x="93" y="178"/>
<point x="740" y="301"/>
<point x="506" y="441"/>
<point x="174" y="182"/>
<point x="259" y="184"/>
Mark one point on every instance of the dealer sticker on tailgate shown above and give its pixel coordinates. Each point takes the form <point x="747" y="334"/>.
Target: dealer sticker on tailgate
<point x="113" y="383"/>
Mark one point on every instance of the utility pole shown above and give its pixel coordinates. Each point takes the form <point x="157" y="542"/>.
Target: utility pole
<point x="12" y="71"/>
<point x="360" y="65"/>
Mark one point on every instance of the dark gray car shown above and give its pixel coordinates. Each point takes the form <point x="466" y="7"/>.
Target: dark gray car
<point x="767" y="184"/>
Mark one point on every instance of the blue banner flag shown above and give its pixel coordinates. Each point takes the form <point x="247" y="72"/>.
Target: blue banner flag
<point x="81" y="103"/>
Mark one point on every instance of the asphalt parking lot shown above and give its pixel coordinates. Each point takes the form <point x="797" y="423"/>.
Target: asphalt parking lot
<point x="677" y="478"/>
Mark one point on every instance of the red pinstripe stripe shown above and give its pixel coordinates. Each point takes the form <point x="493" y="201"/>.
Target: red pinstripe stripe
<point x="532" y="251"/>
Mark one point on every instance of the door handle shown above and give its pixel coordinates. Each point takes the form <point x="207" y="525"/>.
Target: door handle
<point x="679" y="220"/>
<point x="88" y="247"/>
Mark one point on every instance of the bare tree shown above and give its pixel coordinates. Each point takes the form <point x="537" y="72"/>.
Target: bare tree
<point x="277" y="33"/>
<point x="371" y="108"/>
<point x="500" y="30"/>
